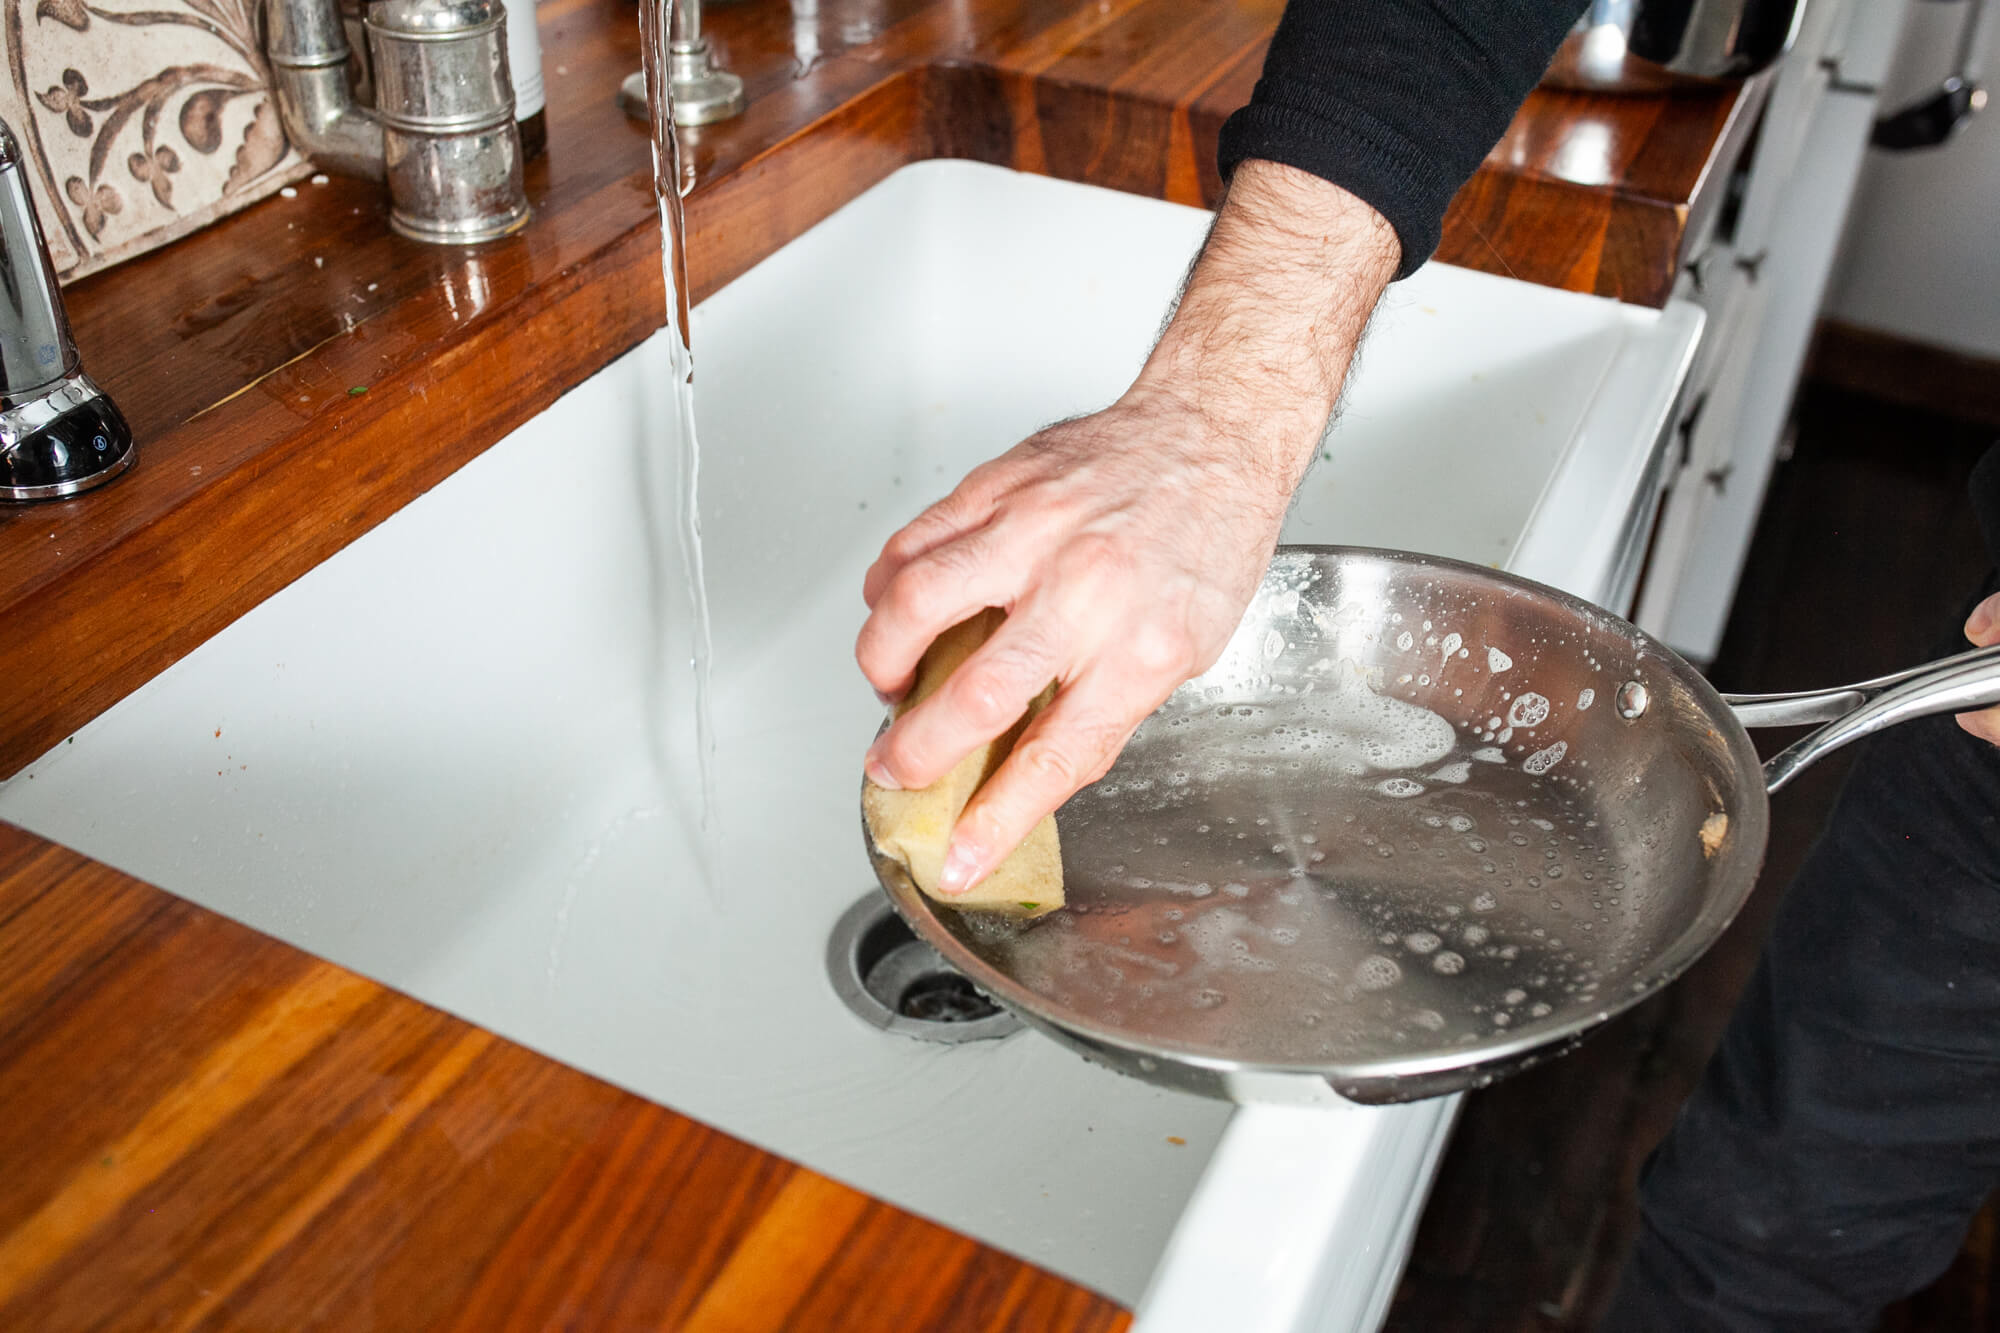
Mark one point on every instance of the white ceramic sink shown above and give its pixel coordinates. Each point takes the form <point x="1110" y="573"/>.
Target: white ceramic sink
<point x="455" y="756"/>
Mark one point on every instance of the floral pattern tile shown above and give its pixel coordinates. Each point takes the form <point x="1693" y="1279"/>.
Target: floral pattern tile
<point x="143" y="120"/>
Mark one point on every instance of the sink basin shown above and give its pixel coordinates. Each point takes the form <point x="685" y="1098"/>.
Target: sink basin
<point x="455" y="757"/>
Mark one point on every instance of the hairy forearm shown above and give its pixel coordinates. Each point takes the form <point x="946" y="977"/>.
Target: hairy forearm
<point x="1124" y="545"/>
<point x="1273" y="311"/>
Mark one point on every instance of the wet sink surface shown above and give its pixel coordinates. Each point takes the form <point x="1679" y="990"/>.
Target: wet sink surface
<point x="456" y="756"/>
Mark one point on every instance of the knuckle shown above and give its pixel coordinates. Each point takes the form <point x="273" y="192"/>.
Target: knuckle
<point x="993" y="689"/>
<point x="1103" y="557"/>
<point x="911" y="539"/>
<point x="984" y="698"/>
<point x="981" y="484"/>
<point x="922" y="588"/>
<point x="1161" y="650"/>
<point x="894" y="752"/>
<point x="871" y="650"/>
<point x="934" y="524"/>
<point x="1080" y="753"/>
<point x="1050" y="765"/>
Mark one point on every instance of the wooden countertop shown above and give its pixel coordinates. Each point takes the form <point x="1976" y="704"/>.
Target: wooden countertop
<point x="217" y="1131"/>
<point x="207" y="1129"/>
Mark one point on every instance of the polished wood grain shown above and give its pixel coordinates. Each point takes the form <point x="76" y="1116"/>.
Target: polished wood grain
<point x="207" y="1129"/>
<point x="296" y="373"/>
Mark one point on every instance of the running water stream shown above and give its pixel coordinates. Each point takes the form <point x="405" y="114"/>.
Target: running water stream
<point x="676" y="441"/>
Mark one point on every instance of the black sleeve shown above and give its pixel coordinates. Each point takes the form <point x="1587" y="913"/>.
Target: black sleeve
<point x="1396" y="100"/>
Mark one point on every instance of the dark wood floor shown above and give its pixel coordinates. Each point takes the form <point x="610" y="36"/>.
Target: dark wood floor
<point x="1865" y="554"/>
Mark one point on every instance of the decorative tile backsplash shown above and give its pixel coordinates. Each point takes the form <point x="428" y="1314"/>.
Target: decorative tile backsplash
<point x="143" y="120"/>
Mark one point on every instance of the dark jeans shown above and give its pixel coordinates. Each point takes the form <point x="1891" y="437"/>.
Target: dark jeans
<point x="1849" y="1126"/>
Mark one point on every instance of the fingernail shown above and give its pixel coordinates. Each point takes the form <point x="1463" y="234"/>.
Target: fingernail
<point x="879" y="775"/>
<point x="961" y="867"/>
<point x="1979" y="621"/>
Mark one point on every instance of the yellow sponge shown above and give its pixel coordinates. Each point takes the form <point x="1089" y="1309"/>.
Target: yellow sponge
<point x="913" y="827"/>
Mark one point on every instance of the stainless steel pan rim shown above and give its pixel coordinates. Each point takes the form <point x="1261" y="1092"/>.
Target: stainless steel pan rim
<point x="1684" y="724"/>
<point x="1100" y="1041"/>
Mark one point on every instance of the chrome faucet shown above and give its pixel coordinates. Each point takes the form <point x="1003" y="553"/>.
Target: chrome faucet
<point x="59" y="433"/>
<point x="702" y="92"/>
<point x="441" y="133"/>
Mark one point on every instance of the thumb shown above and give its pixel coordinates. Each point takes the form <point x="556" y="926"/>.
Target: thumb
<point x="1982" y="627"/>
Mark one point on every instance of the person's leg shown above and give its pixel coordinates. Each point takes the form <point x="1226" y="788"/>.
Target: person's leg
<point x="1849" y="1126"/>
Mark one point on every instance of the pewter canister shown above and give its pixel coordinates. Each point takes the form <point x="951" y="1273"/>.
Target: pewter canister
<point x="449" y="142"/>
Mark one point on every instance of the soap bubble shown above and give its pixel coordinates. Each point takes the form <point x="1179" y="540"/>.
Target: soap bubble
<point x="1375" y="973"/>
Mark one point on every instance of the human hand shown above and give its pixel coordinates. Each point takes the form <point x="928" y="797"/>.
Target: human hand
<point x="1125" y="545"/>
<point x="1982" y="627"/>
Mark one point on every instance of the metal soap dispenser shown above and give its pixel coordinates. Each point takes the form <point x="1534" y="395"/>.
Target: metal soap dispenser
<point x="59" y="434"/>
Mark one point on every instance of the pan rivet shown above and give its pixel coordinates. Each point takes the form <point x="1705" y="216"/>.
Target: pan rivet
<point x="1632" y="700"/>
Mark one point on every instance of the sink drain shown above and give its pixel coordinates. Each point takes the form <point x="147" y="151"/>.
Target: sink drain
<point x="896" y="982"/>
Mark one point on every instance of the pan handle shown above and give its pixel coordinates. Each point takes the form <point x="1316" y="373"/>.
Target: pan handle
<point x="1956" y="684"/>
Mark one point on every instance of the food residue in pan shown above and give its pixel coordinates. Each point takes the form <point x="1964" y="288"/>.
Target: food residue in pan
<point x="1713" y="830"/>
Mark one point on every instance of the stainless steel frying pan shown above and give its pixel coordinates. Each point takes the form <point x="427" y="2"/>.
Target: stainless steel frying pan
<point x="1422" y="826"/>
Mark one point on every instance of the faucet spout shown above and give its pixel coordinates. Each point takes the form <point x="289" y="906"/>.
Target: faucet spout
<point x="308" y="53"/>
<point x="702" y="92"/>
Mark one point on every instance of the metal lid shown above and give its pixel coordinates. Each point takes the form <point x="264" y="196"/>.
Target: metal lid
<point x="434" y="18"/>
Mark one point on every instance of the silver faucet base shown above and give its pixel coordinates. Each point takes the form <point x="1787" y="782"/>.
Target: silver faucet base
<point x="463" y="231"/>
<point x="60" y="440"/>
<point x="702" y="93"/>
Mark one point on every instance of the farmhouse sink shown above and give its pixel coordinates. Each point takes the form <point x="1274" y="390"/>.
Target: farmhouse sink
<point x="457" y="757"/>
